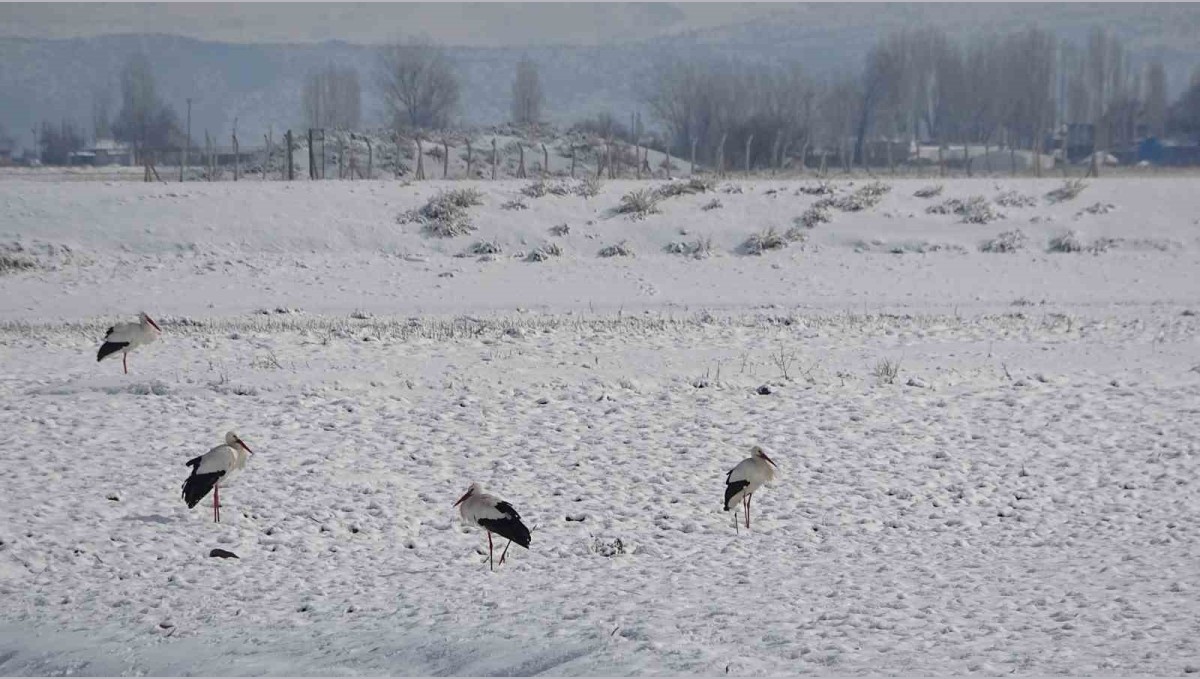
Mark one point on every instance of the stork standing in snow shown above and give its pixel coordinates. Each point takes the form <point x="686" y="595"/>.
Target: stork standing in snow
<point x="494" y="516"/>
<point x="125" y="337"/>
<point x="213" y="467"/>
<point x="748" y="476"/>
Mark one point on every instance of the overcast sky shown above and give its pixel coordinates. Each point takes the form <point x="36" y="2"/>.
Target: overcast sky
<point x="476" y="24"/>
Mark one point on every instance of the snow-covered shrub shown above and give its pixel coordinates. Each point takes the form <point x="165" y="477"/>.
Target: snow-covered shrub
<point x="732" y="188"/>
<point x="445" y="215"/>
<point x="947" y="207"/>
<point x="875" y="189"/>
<point x="973" y="210"/>
<point x="638" y="204"/>
<point x="929" y="191"/>
<point x="516" y="204"/>
<point x="1103" y="245"/>
<point x="13" y="264"/>
<point x="714" y="204"/>
<point x="818" y="189"/>
<point x="825" y="203"/>
<point x="1097" y="209"/>
<point x="1012" y="198"/>
<point x="865" y="198"/>
<point x="543" y="252"/>
<point x="1009" y="241"/>
<point x="1066" y="242"/>
<point x="464" y="198"/>
<point x="559" y="187"/>
<point x="796" y="234"/>
<point x="977" y="210"/>
<point x="560" y="230"/>
<point x="535" y="190"/>
<point x="588" y="188"/>
<point x="686" y="188"/>
<point x="1069" y="189"/>
<point x="886" y="371"/>
<point x="485" y="247"/>
<point x="813" y="216"/>
<point x="697" y="249"/>
<point x="621" y="249"/>
<point x="763" y="241"/>
<point x="610" y="547"/>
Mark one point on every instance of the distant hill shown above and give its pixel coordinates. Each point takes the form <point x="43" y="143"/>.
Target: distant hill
<point x="260" y="84"/>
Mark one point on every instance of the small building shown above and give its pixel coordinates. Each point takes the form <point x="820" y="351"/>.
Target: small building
<point x="103" y="152"/>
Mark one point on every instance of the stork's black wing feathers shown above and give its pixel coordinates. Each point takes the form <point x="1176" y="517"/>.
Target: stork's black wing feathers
<point x="510" y="526"/>
<point x="109" y="331"/>
<point x="194" y="462"/>
<point x="508" y="509"/>
<point x="733" y="488"/>
<point x="109" y="348"/>
<point x="197" y="486"/>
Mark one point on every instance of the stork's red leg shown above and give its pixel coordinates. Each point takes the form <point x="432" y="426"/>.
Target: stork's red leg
<point x="748" y="499"/>
<point x="505" y="553"/>
<point x="490" y="565"/>
<point x="125" y="362"/>
<point x="217" y="503"/>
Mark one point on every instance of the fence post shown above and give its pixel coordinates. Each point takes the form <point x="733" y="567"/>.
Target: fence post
<point x="237" y="159"/>
<point x="291" y="174"/>
<point x="692" y="168"/>
<point x="521" y="165"/>
<point x="420" y="160"/>
<point x="493" y="158"/>
<point x="572" y="161"/>
<point x="721" y="156"/>
<point x="637" y="153"/>
<point x="469" y="159"/>
<point x="370" y="159"/>
<point x="445" y="159"/>
<point x="749" y="140"/>
<point x="312" y="156"/>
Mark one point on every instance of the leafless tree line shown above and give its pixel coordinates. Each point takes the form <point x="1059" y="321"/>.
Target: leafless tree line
<point x="332" y="98"/>
<point x="915" y="85"/>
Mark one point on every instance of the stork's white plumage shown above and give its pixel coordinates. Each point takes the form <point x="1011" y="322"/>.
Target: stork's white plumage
<point x="212" y="469"/>
<point x="748" y="476"/>
<point x="125" y="337"/>
<point x="494" y="516"/>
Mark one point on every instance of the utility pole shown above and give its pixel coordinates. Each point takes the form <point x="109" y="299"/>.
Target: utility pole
<point x="187" y="142"/>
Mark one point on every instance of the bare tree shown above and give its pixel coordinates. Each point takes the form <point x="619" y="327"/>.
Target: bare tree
<point x="333" y="98"/>
<point x="418" y="84"/>
<point x="143" y="119"/>
<point x="527" y="95"/>
<point x="1156" y="99"/>
<point x="102" y="101"/>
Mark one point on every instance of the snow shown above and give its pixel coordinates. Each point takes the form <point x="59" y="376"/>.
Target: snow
<point x="1019" y="499"/>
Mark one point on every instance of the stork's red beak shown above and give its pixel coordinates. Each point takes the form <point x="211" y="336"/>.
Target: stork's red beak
<point x="764" y="455"/>
<point x="243" y="444"/>
<point x="462" y="499"/>
<point x="151" y="321"/>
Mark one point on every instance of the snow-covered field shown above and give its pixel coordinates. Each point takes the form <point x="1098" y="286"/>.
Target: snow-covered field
<point x="1018" y="498"/>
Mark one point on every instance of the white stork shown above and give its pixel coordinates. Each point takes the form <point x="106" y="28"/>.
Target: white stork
<point x="494" y="516"/>
<point x="748" y="476"/>
<point x="125" y="337"/>
<point x="213" y="467"/>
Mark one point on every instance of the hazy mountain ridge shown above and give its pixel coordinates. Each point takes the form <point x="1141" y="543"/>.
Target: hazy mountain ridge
<point x="260" y="85"/>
